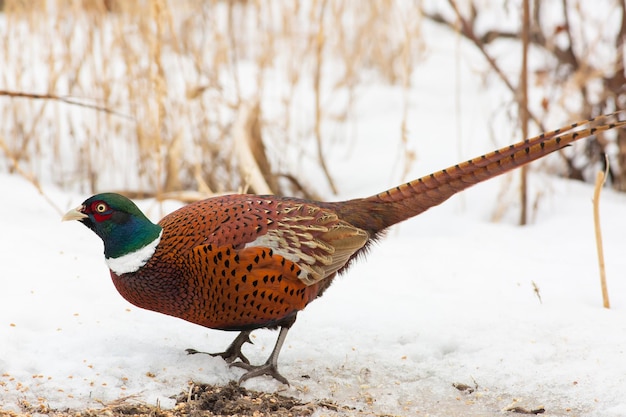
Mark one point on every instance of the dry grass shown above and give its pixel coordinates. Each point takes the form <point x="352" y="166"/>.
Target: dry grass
<point x="205" y="400"/>
<point x="174" y="77"/>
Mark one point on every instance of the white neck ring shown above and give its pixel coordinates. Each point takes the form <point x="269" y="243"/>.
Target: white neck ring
<point x="132" y="262"/>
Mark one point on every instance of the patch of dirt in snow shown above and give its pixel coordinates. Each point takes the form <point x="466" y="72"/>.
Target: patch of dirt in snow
<point x="233" y="400"/>
<point x="201" y="400"/>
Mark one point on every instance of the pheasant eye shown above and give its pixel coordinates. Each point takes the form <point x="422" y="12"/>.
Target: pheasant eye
<point x="100" y="208"/>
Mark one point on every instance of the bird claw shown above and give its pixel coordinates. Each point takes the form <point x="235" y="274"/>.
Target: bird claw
<point x="268" y="369"/>
<point x="232" y="353"/>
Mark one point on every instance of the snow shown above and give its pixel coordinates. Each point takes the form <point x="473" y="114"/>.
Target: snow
<point x="445" y="298"/>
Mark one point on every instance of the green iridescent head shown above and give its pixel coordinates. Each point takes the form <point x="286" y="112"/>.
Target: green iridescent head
<point x="118" y="221"/>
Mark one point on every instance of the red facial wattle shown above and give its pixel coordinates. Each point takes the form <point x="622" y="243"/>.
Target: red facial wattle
<point x="100" y="211"/>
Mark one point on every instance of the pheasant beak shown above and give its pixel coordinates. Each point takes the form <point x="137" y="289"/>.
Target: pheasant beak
<point x="75" y="214"/>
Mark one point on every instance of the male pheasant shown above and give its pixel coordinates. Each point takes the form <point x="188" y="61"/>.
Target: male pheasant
<point x="244" y="262"/>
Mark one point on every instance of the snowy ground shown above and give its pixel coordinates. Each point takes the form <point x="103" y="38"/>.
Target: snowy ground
<point x="446" y="298"/>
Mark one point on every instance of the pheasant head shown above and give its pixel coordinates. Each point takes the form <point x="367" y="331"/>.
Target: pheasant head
<point x="129" y="237"/>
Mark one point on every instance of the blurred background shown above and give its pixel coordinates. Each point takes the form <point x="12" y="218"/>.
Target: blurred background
<point x="191" y="98"/>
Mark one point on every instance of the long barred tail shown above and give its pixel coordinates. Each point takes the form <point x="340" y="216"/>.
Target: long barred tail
<point x="410" y="199"/>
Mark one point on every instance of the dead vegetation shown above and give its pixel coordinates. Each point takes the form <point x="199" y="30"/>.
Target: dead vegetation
<point x="150" y="97"/>
<point x="163" y="90"/>
<point x="576" y="70"/>
<point x="205" y="400"/>
<point x="202" y="400"/>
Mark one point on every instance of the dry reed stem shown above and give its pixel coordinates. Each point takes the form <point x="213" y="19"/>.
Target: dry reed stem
<point x="319" y="41"/>
<point x="600" y="178"/>
<point x="523" y="108"/>
<point x="407" y="70"/>
<point x="248" y="149"/>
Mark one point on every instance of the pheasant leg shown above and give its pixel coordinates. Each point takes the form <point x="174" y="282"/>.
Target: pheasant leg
<point x="233" y="352"/>
<point x="270" y="367"/>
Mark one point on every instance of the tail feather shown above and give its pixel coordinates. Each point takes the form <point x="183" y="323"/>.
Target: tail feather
<point x="382" y="210"/>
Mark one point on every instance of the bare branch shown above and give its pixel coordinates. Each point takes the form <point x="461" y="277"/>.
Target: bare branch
<point x="468" y="32"/>
<point x="63" y="99"/>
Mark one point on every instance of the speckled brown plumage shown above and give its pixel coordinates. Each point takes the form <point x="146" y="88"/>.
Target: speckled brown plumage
<point x="209" y="276"/>
<point x="242" y="262"/>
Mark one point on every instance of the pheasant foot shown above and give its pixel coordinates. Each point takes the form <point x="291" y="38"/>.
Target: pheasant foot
<point x="267" y="368"/>
<point x="270" y="367"/>
<point x="233" y="352"/>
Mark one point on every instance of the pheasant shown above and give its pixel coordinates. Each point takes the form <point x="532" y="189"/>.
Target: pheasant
<point x="244" y="262"/>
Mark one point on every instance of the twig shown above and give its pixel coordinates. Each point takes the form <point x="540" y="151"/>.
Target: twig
<point x="232" y="43"/>
<point x="522" y="410"/>
<point x="67" y="100"/>
<point x="536" y="291"/>
<point x="190" y="391"/>
<point x="596" y="221"/>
